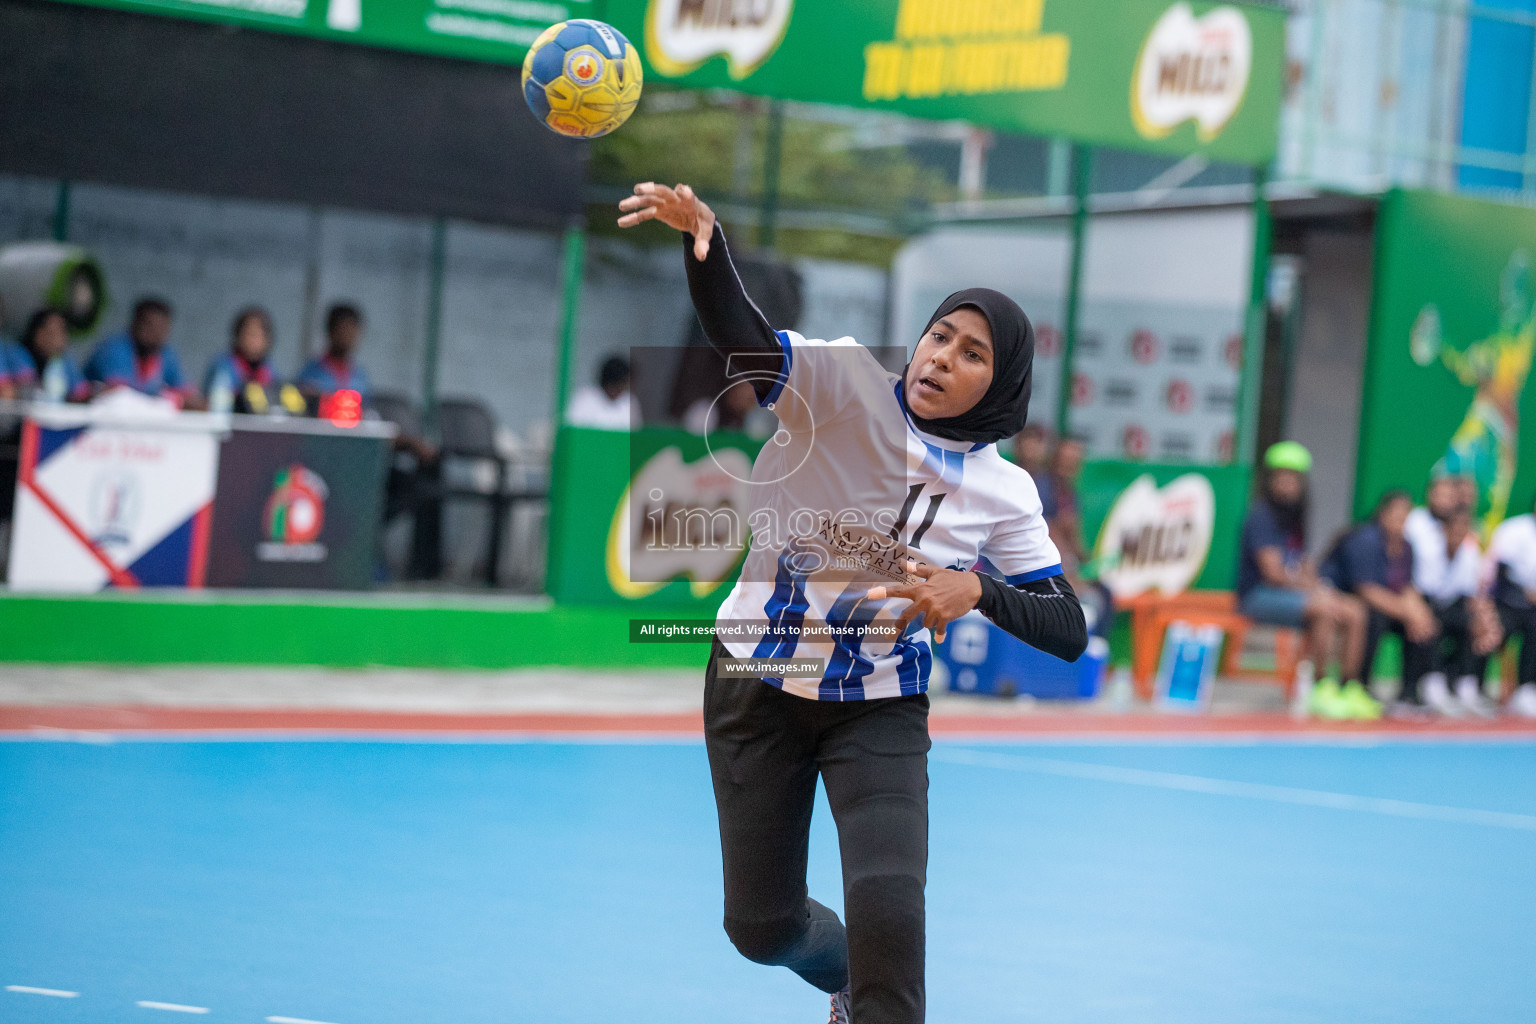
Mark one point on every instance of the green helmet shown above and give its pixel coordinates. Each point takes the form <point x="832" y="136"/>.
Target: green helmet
<point x="1288" y="455"/>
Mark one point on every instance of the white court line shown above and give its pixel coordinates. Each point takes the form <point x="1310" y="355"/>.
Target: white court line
<point x="295" y="1020"/>
<point x="1227" y="787"/>
<point x="29" y="990"/>
<point x="150" y="1004"/>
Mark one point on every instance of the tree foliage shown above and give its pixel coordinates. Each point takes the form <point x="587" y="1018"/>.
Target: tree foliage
<point x="717" y="144"/>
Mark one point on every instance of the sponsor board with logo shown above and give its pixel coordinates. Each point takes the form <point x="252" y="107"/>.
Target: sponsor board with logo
<point x="1149" y="398"/>
<point x="1144" y="74"/>
<point x="103" y="502"/>
<point x="299" y="510"/>
<point x="1164" y="296"/>
<point x="606" y="510"/>
<point x="650" y="518"/>
<point x="1163" y="526"/>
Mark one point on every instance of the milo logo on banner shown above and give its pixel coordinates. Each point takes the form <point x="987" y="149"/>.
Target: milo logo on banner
<point x="1157" y="538"/>
<point x="679" y="519"/>
<point x="680" y="35"/>
<point x="1192" y="69"/>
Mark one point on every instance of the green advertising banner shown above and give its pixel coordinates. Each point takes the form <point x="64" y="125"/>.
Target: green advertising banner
<point x="641" y="519"/>
<point x="1163" y="527"/>
<point x="1167" y="77"/>
<point x="1154" y="75"/>
<point x="489" y="30"/>
<point x="645" y="519"/>
<point x="1453" y="327"/>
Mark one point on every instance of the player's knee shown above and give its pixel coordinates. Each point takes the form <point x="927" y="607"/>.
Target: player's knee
<point x="890" y="905"/>
<point x="770" y="942"/>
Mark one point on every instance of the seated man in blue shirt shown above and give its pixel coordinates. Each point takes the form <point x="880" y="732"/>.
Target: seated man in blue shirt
<point x="1374" y="562"/>
<point x="141" y="357"/>
<point x="335" y="371"/>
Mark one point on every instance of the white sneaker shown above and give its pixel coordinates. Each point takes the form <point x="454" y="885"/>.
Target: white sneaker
<point x="1523" y="702"/>
<point x="1469" y="692"/>
<point x="1437" y="694"/>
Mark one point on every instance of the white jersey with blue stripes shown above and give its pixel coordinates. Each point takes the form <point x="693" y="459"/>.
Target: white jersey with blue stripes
<point x="842" y="495"/>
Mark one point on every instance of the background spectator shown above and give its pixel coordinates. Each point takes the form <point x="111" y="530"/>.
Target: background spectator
<point x="1447" y="568"/>
<point x="1511" y="567"/>
<point x="1063" y="514"/>
<point x="141" y="357"/>
<point x="608" y="405"/>
<point x="1032" y="451"/>
<point x="1374" y="562"/>
<point x="1278" y="584"/>
<point x="337" y="370"/>
<point x="42" y="369"/>
<point x="245" y="363"/>
<point x="1058" y="474"/>
<point x="736" y="408"/>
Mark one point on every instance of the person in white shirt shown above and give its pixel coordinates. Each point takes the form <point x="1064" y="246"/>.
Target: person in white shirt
<point x="1511" y="575"/>
<point x="870" y="506"/>
<point x="608" y="405"/>
<point x="1447" y="571"/>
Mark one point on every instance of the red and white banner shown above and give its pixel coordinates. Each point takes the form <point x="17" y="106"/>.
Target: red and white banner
<point x="103" y="501"/>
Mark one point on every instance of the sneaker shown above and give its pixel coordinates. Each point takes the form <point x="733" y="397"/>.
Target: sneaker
<point x="1408" y="711"/>
<point x="841" y="1000"/>
<point x="1362" y="706"/>
<point x="1328" y="702"/>
<point x="1523" y="702"/>
<point x="1437" y="694"/>
<point x="1472" y="697"/>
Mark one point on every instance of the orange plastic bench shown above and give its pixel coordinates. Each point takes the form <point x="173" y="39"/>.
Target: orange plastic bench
<point x="1152" y="614"/>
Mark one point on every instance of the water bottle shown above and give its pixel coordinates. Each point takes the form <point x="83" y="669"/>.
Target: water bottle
<point x="1301" y="697"/>
<point x="55" y="382"/>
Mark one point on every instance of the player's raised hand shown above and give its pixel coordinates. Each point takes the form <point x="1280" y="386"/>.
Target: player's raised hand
<point x="676" y="207"/>
<point x="942" y="597"/>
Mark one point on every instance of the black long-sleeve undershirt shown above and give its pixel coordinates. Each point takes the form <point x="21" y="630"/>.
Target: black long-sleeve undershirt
<point x="734" y="325"/>
<point x="1044" y="614"/>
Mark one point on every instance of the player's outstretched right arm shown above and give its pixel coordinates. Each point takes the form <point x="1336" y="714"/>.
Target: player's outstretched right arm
<point x="730" y="319"/>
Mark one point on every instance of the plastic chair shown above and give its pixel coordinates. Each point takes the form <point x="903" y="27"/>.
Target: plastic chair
<point x="1151" y="615"/>
<point x="467" y="430"/>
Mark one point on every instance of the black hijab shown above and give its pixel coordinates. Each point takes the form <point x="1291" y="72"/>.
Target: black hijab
<point x="1003" y="409"/>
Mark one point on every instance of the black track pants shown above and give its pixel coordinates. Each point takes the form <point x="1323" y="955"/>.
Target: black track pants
<point x="1521" y="622"/>
<point x="766" y="748"/>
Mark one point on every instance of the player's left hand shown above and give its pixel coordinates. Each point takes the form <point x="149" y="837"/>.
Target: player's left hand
<point x="942" y="597"/>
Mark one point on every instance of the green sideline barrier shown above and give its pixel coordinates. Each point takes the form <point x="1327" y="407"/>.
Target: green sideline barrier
<point x="594" y="469"/>
<point x="1103" y="484"/>
<point x="588" y="625"/>
<point x="235" y="629"/>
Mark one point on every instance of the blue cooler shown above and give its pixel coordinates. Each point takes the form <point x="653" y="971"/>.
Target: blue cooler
<point x="978" y="657"/>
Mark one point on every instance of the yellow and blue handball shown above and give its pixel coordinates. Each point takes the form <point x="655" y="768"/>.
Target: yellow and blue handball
<point x="582" y="78"/>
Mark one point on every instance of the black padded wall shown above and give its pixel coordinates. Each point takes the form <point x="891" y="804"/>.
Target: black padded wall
<point x="97" y="95"/>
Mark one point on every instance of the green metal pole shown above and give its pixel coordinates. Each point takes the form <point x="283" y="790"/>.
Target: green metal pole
<point x="1082" y="173"/>
<point x="773" y="155"/>
<point x="61" y="212"/>
<point x="430" y="353"/>
<point x="570" y="288"/>
<point x="1247" y="413"/>
<point x="575" y="244"/>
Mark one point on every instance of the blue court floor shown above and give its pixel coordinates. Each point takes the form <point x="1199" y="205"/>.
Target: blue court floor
<point x="370" y="882"/>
